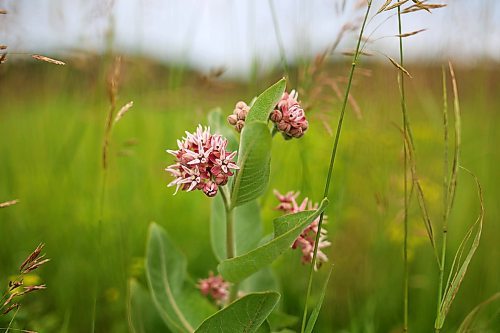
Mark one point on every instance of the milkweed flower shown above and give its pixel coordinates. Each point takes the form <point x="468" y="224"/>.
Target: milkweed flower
<point x="202" y="162"/>
<point x="307" y="239"/>
<point x="288" y="116"/>
<point x="215" y="287"/>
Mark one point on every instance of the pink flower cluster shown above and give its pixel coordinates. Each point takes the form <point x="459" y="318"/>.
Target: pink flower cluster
<point x="307" y="238"/>
<point x="202" y="162"/>
<point x="215" y="286"/>
<point x="288" y="117"/>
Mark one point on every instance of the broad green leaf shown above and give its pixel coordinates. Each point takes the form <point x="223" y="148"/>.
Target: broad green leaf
<point x="219" y="125"/>
<point x="456" y="277"/>
<point x="254" y="158"/>
<point x="265" y="103"/>
<point x="245" y="315"/>
<point x="315" y="313"/>
<point x="177" y="301"/>
<point x="240" y="267"/>
<point x="142" y="314"/>
<point x="247" y="227"/>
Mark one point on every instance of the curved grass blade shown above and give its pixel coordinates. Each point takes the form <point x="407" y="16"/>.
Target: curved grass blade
<point x="265" y="103"/>
<point x="177" y="301"/>
<point x="246" y="315"/>
<point x="456" y="277"/>
<point x="254" y="160"/>
<point x="466" y="325"/>
<point x="290" y="227"/>
<point x="315" y="313"/>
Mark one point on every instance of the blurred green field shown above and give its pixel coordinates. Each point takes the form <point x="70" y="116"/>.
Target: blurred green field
<point x="51" y="126"/>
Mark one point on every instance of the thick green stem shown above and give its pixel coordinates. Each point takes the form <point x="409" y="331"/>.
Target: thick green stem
<point x="405" y="176"/>
<point x="332" y="162"/>
<point x="230" y="250"/>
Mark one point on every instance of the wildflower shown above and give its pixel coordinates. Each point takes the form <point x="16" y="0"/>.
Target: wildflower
<point x="289" y="117"/>
<point x="215" y="287"/>
<point x="202" y="162"/>
<point x="307" y="239"/>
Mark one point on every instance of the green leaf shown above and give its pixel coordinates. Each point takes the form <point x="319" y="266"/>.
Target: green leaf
<point x="245" y="315"/>
<point x="457" y="273"/>
<point x="254" y="158"/>
<point x="315" y="313"/>
<point x="240" y="267"/>
<point x="265" y="103"/>
<point x="218" y="124"/>
<point x="247" y="227"/>
<point x="178" y="302"/>
<point x="264" y="328"/>
<point x="142" y="314"/>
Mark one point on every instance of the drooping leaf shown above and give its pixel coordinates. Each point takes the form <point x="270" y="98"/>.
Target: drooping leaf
<point x="264" y="328"/>
<point x="315" y="313"/>
<point x="177" y="301"/>
<point x="458" y="270"/>
<point x="246" y="315"/>
<point x="265" y="103"/>
<point x="254" y="158"/>
<point x="240" y="267"/>
<point x="142" y="314"/>
<point x="247" y="227"/>
<point x="218" y="124"/>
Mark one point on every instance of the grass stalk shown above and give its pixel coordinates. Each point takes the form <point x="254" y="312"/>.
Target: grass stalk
<point x="279" y="40"/>
<point x="445" y="194"/>
<point x="332" y="160"/>
<point x="405" y="176"/>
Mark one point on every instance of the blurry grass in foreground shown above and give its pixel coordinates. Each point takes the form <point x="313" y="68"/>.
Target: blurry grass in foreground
<point x="52" y="122"/>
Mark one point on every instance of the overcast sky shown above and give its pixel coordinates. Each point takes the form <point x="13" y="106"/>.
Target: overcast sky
<point x="235" y="33"/>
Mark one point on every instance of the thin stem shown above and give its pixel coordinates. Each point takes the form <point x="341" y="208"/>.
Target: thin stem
<point x="332" y="161"/>
<point x="445" y="196"/>
<point x="230" y="250"/>
<point x="405" y="176"/>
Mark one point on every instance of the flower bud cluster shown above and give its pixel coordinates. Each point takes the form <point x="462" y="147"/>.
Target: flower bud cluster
<point x="202" y="162"/>
<point x="240" y="112"/>
<point x="215" y="286"/>
<point x="307" y="238"/>
<point x="288" y="116"/>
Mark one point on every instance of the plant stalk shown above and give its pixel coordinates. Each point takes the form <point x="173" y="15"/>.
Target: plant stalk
<point x="332" y="161"/>
<point x="230" y="242"/>
<point x="445" y="198"/>
<point x="405" y="175"/>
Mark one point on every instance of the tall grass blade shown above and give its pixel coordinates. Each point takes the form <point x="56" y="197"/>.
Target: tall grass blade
<point x="315" y="313"/>
<point x="458" y="270"/>
<point x="466" y="325"/>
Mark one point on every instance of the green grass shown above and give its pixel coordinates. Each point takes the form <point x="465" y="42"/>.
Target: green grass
<point x="51" y="126"/>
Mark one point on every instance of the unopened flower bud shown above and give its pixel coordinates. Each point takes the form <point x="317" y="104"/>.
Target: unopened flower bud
<point x="296" y="132"/>
<point x="210" y="189"/>
<point x="221" y="179"/>
<point x="232" y="119"/>
<point x="239" y="125"/>
<point x="284" y="126"/>
<point x="276" y="116"/>
<point x="242" y="114"/>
